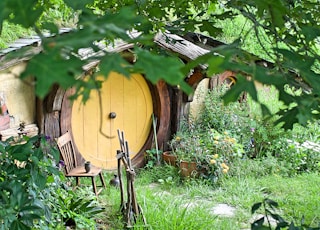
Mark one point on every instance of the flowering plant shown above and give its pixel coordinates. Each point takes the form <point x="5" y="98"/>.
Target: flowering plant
<point x="212" y="151"/>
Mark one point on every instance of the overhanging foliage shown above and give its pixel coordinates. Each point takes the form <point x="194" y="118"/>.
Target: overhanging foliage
<point x="291" y="29"/>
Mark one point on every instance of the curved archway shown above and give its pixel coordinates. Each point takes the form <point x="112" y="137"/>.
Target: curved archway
<point x="58" y="103"/>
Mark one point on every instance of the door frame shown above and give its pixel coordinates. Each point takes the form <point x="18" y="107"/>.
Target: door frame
<point x="58" y="102"/>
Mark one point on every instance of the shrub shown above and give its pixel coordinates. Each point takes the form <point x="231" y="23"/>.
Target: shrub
<point x="33" y="193"/>
<point x="26" y="170"/>
<point x="213" y="139"/>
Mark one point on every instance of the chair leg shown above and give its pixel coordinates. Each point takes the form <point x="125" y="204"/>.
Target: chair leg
<point x="77" y="181"/>
<point x="94" y="186"/>
<point x="102" y="180"/>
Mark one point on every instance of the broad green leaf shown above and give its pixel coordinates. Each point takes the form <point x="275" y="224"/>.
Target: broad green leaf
<point x="39" y="180"/>
<point x="4" y="13"/>
<point x="215" y="65"/>
<point x="30" y="208"/>
<point x="267" y="76"/>
<point x="194" y="63"/>
<point x="55" y="154"/>
<point x="296" y="61"/>
<point x="265" y="110"/>
<point x="51" y="27"/>
<point x="277" y="12"/>
<point x="79" y="4"/>
<point x="310" y="32"/>
<point x="25" y="13"/>
<point x="157" y="67"/>
<point x="312" y="79"/>
<point x="53" y="68"/>
<point x="209" y="27"/>
<point x="114" y="62"/>
<point x="288" y="118"/>
<point x="242" y="85"/>
<point x="19" y="153"/>
<point x="285" y="97"/>
<point x="30" y="216"/>
<point x="18" y="225"/>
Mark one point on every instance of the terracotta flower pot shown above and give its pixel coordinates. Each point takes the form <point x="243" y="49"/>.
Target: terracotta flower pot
<point x="188" y="169"/>
<point x="169" y="158"/>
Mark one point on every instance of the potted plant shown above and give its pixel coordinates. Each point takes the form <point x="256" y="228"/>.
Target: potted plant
<point x="186" y="149"/>
<point x="204" y="152"/>
<point x="169" y="158"/>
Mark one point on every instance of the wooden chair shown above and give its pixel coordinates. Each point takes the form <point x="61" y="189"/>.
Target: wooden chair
<point x="68" y="154"/>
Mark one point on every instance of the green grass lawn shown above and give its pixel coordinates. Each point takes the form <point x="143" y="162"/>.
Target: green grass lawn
<point x="170" y="203"/>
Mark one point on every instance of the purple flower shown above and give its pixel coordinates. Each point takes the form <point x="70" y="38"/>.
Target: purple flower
<point x="252" y="130"/>
<point x="61" y="163"/>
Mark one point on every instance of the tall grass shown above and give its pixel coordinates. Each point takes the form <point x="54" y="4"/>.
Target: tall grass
<point x="11" y="32"/>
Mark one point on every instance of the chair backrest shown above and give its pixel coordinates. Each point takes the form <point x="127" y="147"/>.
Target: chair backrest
<point x="68" y="154"/>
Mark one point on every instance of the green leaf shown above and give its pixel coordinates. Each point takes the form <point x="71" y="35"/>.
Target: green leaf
<point x="285" y="97"/>
<point x="4" y="13"/>
<point x="78" y="5"/>
<point x="210" y="28"/>
<point x="276" y="10"/>
<point x="114" y="62"/>
<point x="242" y="85"/>
<point x="288" y="117"/>
<point x="277" y="217"/>
<point x="30" y="217"/>
<point x="18" y="225"/>
<point x="31" y="208"/>
<point x="25" y="13"/>
<point x="51" y="27"/>
<point x="157" y="67"/>
<point x="282" y="224"/>
<point x="265" y="110"/>
<point x="53" y="68"/>
<point x="292" y="227"/>
<point x="255" y="207"/>
<point x="268" y="77"/>
<point x="34" y="159"/>
<point x="39" y="179"/>
<point x="215" y="65"/>
<point x="258" y="224"/>
<point x="55" y="154"/>
<point x="310" y="32"/>
<point x="196" y="62"/>
<point x="20" y="152"/>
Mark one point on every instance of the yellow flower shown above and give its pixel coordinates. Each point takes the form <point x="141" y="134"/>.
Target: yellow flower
<point x="225" y="133"/>
<point x="223" y="165"/>
<point x="215" y="156"/>
<point x="212" y="161"/>
<point x="225" y="171"/>
<point x="178" y="138"/>
<point x="216" y="142"/>
<point x="216" y="138"/>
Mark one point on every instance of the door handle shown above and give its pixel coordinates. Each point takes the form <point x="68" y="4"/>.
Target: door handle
<point x="112" y="115"/>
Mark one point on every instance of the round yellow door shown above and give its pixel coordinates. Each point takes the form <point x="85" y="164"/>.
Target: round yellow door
<point x="126" y="105"/>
